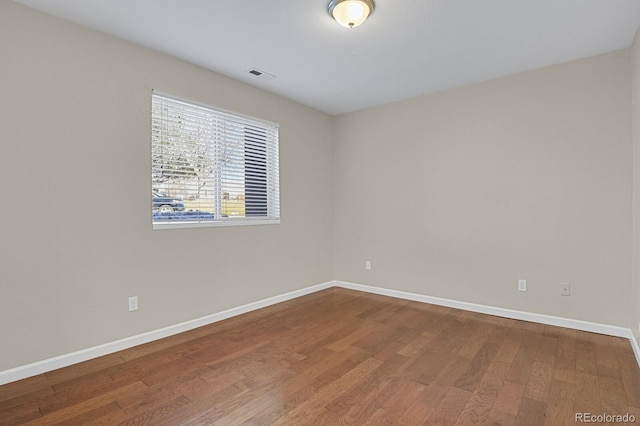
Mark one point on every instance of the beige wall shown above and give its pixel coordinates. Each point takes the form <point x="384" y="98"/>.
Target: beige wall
<point x="459" y="194"/>
<point x="75" y="229"/>
<point x="635" y="78"/>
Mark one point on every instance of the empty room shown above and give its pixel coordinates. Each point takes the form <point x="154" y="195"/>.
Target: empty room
<point x="320" y="212"/>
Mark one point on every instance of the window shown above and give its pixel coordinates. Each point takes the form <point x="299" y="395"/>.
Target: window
<point x="211" y="167"/>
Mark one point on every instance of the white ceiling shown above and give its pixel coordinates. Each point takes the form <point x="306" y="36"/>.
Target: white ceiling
<point x="406" y="48"/>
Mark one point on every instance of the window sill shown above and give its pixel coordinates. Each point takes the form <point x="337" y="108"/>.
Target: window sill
<point x="214" y="223"/>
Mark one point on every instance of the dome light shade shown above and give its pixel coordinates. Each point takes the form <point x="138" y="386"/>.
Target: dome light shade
<point x="350" y="13"/>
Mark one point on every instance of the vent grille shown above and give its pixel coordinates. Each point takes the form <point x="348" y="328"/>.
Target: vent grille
<point x="261" y="74"/>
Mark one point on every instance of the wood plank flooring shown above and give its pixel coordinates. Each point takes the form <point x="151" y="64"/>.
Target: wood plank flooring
<point x="342" y="357"/>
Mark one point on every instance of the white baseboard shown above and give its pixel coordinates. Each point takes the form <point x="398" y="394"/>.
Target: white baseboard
<point x="635" y="346"/>
<point x="593" y="327"/>
<point x="51" y="364"/>
<point x="65" y="360"/>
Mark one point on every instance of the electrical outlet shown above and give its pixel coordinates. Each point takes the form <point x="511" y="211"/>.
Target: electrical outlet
<point x="133" y="303"/>
<point x="565" y="289"/>
<point x="522" y="285"/>
<point x="367" y="265"/>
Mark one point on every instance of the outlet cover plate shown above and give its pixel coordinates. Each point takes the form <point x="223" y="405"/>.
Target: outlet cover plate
<point x="522" y="285"/>
<point x="133" y="303"/>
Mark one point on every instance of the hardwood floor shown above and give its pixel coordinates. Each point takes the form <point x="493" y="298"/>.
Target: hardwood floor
<point x="343" y="357"/>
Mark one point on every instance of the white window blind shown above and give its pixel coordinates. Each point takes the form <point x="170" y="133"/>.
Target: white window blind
<point x="211" y="167"/>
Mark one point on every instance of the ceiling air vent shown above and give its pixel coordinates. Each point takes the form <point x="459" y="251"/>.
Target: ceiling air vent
<point x="261" y="74"/>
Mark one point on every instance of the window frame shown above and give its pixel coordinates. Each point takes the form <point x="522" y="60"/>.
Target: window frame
<point x="271" y="174"/>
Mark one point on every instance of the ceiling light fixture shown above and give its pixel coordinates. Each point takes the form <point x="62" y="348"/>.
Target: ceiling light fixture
<point x="350" y="13"/>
